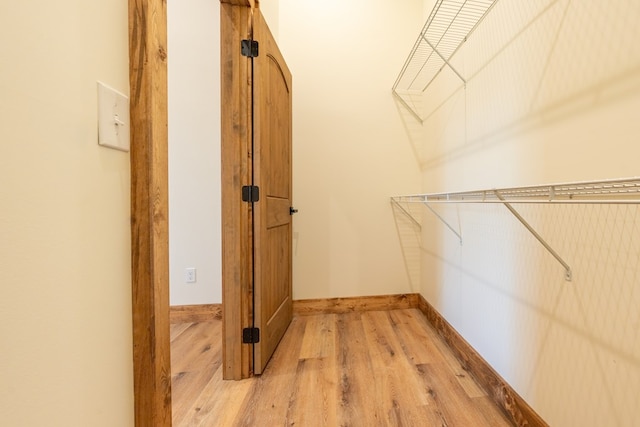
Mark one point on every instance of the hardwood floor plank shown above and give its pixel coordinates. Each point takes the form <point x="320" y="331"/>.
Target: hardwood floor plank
<point x="175" y="329"/>
<point x="487" y="407"/>
<point x="462" y="376"/>
<point x="316" y="388"/>
<point x="192" y="344"/>
<point x="502" y="394"/>
<point x="196" y="355"/>
<point x="214" y="406"/>
<point x="449" y="398"/>
<point x="467" y="382"/>
<point x="444" y="402"/>
<point x="314" y="397"/>
<point x="320" y="338"/>
<point x="269" y="399"/>
<point x="399" y="390"/>
<point x="353" y="356"/>
<point x="391" y="356"/>
<point x="352" y="369"/>
<point x="414" y="336"/>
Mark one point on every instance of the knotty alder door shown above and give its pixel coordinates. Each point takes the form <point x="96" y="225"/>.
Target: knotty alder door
<point x="256" y="153"/>
<point x="272" y="174"/>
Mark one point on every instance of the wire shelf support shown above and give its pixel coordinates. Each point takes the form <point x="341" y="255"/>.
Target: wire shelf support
<point x="614" y="191"/>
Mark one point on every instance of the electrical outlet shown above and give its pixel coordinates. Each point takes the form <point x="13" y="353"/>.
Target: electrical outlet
<point x="190" y="275"/>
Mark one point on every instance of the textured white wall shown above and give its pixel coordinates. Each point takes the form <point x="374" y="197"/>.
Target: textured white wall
<point x="65" y="269"/>
<point x="194" y="150"/>
<point x="553" y="95"/>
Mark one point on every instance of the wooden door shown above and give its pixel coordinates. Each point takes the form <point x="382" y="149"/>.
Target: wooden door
<point x="256" y="151"/>
<point x="272" y="174"/>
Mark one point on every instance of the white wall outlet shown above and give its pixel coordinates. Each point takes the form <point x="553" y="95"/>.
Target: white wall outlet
<point x="113" y="118"/>
<point x="190" y="275"/>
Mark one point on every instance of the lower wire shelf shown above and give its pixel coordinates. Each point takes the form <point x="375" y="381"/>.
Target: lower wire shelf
<point x="617" y="191"/>
<point x="614" y="191"/>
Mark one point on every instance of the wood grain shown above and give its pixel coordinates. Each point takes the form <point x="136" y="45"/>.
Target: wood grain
<point x="246" y="3"/>
<point x="315" y="386"/>
<point x="149" y="212"/>
<point x="349" y="369"/>
<point x="195" y="313"/>
<point x="201" y="359"/>
<point x="514" y="406"/>
<point x="271" y="396"/>
<point x="353" y="356"/>
<point x="272" y="173"/>
<point x="277" y="211"/>
<point x="236" y="172"/>
<point x="351" y="304"/>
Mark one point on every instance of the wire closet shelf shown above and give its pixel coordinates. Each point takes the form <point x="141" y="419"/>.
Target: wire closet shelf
<point x="448" y="26"/>
<point x="615" y="191"/>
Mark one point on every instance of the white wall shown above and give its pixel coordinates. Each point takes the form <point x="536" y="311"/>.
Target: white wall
<point x="553" y="95"/>
<point x="349" y="153"/>
<point x="270" y="9"/>
<point x="65" y="310"/>
<point x="194" y="150"/>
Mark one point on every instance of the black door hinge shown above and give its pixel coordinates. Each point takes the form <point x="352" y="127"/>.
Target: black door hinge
<point x="250" y="335"/>
<point x="249" y="48"/>
<point x="250" y="193"/>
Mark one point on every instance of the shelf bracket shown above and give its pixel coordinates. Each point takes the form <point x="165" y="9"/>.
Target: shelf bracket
<point x="444" y="222"/>
<point x="408" y="107"/>
<point x="407" y="213"/>
<point x="446" y="61"/>
<point x="567" y="269"/>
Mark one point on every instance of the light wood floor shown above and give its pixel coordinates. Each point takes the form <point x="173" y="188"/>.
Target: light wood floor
<point x="376" y="368"/>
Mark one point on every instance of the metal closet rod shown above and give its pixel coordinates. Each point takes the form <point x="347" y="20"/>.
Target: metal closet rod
<point x="614" y="191"/>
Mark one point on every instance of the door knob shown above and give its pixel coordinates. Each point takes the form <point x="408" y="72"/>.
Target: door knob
<point x="292" y="210"/>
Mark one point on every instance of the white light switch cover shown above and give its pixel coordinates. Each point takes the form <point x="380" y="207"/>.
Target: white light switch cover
<point x="113" y="118"/>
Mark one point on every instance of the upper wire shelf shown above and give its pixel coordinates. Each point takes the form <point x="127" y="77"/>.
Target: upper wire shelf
<point x="449" y="25"/>
<point x="615" y="191"/>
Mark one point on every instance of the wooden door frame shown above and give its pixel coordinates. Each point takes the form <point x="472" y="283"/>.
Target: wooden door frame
<point x="150" y="210"/>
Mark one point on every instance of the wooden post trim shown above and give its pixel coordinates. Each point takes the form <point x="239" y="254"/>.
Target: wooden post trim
<point x="246" y="3"/>
<point x="195" y="313"/>
<point x="149" y="212"/>
<point x="350" y="304"/>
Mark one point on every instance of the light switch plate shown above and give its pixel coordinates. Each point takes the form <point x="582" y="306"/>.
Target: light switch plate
<point x="113" y="118"/>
